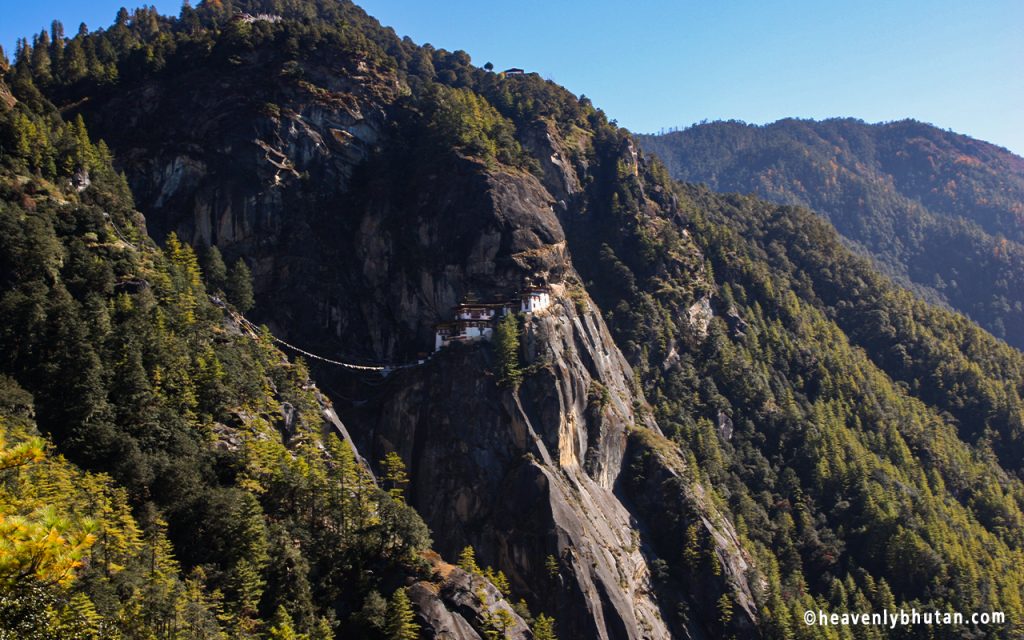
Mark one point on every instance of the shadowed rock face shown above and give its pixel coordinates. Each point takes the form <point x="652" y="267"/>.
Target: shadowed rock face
<point x="358" y="248"/>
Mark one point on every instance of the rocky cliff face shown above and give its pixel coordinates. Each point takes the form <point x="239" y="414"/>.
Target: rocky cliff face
<point x="359" y="248"/>
<point x="450" y="602"/>
<point x="232" y="158"/>
<point x="6" y="98"/>
<point x="523" y="475"/>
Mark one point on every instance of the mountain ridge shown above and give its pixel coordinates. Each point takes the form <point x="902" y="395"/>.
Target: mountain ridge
<point x="936" y="209"/>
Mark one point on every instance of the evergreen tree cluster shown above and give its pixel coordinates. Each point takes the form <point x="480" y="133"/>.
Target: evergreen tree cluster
<point x="874" y="459"/>
<point x="873" y="462"/>
<point x="150" y="487"/>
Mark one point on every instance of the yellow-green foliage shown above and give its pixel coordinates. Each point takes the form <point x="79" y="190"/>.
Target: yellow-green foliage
<point x="38" y="539"/>
<point x="544" y="628"/>
<point x="465" y="119"/>
<point x="467" y="561"/>
<point x="401" y="620"/>
<point x="60" y="526"/>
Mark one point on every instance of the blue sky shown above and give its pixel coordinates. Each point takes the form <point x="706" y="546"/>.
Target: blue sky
<point x="665" y="63"/>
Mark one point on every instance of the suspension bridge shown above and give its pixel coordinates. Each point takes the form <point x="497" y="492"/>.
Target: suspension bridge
<point x="254" y="330"/>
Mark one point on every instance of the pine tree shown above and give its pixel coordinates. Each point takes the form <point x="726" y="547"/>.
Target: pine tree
<point x="57" y="35"/>
<point x="500" y="621"/>
<point x="76" y="64"/>
<point x="551" y="564"/>
<point x="155" y="602"/>
<point x="196" y="614"/>
<point x="215" y="269"/>
<point x="245" y="585"/>
<point x="40" y="540"/>
<point x="401" y="619"/>
<point x="725" y="609"/>
<point x="374" y="613"/>
<point x="322" y="630"/>
<point x="498" y="579"/>
<point x="79" y="618"/>
<point x="691" y="549"/>
<point x="41" y="65"/>
<point x="20" y="454"/>
<point x="544" y="628"/>
<point x="467" y="561"/>
<point x="283" y="627"/>
<point x="239" y="286"/>
<point x="287" y="579"/>
<point x="507" y="347"/>
<point x="394" y="474"/>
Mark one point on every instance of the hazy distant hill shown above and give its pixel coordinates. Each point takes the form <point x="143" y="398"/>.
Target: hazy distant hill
<point x="941" y="210"/>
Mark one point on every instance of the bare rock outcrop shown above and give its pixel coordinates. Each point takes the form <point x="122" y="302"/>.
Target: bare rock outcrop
<point x="456" y="605"/>
<point x="523" y="475"/>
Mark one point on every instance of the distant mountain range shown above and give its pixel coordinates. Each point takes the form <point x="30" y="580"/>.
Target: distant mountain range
<point x="940" y="211"/>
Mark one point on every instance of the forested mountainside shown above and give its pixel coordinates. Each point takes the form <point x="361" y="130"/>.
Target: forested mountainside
<point x="723" y="419"/>
<point x="942" y="212"/>
<point x="193" y="482"/>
